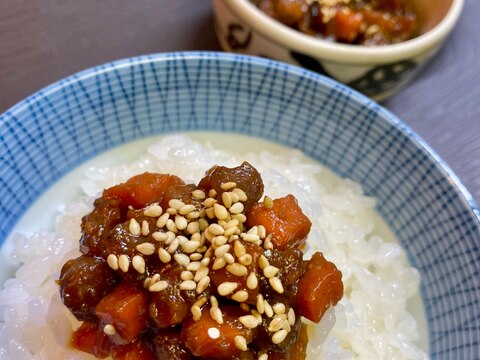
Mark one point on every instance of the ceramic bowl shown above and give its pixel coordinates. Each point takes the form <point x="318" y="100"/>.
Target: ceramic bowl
<point x="378" y="72"/>
<point x="45" y="138"/>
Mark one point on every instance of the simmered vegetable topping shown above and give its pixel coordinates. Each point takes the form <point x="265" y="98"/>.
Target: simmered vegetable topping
<point x="363" y="22"/>
<point x="182" y="271"/>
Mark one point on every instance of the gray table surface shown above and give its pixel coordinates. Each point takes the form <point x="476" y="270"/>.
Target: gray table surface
<point x="45" y="40"/>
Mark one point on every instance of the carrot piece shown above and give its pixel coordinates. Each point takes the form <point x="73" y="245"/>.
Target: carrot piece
<point x="136" y="350"/>
<point x="285" y="220"/>
<point x="91" y="339"/>
<point x="320" y="287"/>
<point x="126" y="308"/>
<point x="346" y="24"/>
<point x="142" y="189"/>
<point x="206" y="338"/>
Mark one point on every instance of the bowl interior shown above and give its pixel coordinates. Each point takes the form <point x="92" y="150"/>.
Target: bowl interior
<point x="431" y="12"/>
<point x="62" y="126"/>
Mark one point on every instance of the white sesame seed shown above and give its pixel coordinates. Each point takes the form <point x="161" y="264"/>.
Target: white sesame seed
<point x="286" y="325"/>
<point x="196" y="256"/>
<point x="193" y="215"/>
<point x="270" y="271"/>
<point x="205" y="261"/>
<point x="267" y="309"/>
<point x="209" y="202"/>
<point x="153" y="210"/>
<point x="164" y="256"/>
<point x="201" y="272"/>
<point x="194" y="266"/>
<point x="219" y="240"/>
<point x="239" y="249"/>
<point x="240" y="343"/>
<point x="260" y="304"/>
<point x="263" y="357"/>
<point x="276" y="324"/>
<point x="228" y="185"/>
<point x="250" y="237"/>
<point x="159" y="236"/>
<point x="258" y="316"/>
<point x="244" y="307"/>
<point x="219" y="264"/>
<point x="134" y="227"/>
<point x="180" y="222"/>
<point x="124" y="262"/>
<point x="162" y="220"/>
<point x="174" y="245"/>
<point x="112" y="261"/>
<point x="193" y="227"/>
<point x="109" y="330"/>
<point x="253" y="230"/>
<point x="172" y="211"/>
<point x="203" y="224"/>
<point x="268" y="245"/>
<point x="236" y="208"/>
<point x="268" y="202"/>
<point x="158" y="286"/>
<point x="237" y="269"/>
<point x="186" y="275"/>
<point x="229" y="258"/>
<point x="201" y="301"/>
<point x="276" y="284"/>
<point x="291" y="317"/>
<point x="145" y="228"/>
<point x="202" y="284"/>
<point x="188" y="285"/>
<point x="196" y="312"/>
<point x="138" y="264"/>
<point x="226" y="288"/>
<point x="240" y="296"/>
<point x="170" y="237"/>
<point x="240" y="217"/>
<point x="279" y="336"/>
<point x="242" y="196"/>
<point x="171" y="225"/>
<point x="213" y="301"/>
<point x="230" y="231"/>
<point x="234" y="197"/>
<point x="216" y="229"/>
<point x="252" y="281"/>
<point x="182" y="259"/>
<point x="226" y="199"/>
<point x="198" y="194"/>
<point x="213" y="333"/>
<point x="222" y="250"/>
<point x="245" y="259"/>
<point x="186" y="209"/>
<point x="262" y="232"/>
<point x="189" y="247"/>
<point x="146" y="282"/>
<point x="249" y="321"/>
<point x="220" y="211"/>
<point x="175" y="203"/>
<point x="216" y="315"/>
<point x="146" y="248"/>
<point x="154" y="279"/>
<point x="263" y="262"/>
<point x="279" y="308"/>
<point x="212" y="193"/>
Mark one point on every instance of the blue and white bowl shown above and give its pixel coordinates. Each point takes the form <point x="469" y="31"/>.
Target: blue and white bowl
<point x="57" y="129"/>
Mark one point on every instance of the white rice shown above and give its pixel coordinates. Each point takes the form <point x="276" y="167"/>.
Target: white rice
<point x="370" y="322"/>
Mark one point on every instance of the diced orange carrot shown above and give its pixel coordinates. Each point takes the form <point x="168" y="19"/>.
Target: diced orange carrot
<point x="319" y="288"/>
<point x="136" y="350"/>
<point x="206" y="338"/>
<point x="285" y="220"/>
<point x="126" y="308"/>
<point x="346" y="24"/>
<point x="142" y="189"/>
<point x="91" y="339"/>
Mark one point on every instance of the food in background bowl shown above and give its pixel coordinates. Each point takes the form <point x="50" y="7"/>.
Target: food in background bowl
<point x="362" y="22"/>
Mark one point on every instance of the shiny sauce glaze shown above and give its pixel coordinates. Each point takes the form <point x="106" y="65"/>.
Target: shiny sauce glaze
<point x="182" y="271"/>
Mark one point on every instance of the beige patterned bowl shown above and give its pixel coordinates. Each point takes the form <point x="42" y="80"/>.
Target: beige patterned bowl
<point x="378" y="72"/>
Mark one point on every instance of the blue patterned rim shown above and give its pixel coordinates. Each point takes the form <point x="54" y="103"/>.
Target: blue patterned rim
<point x="432" y="214"/>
